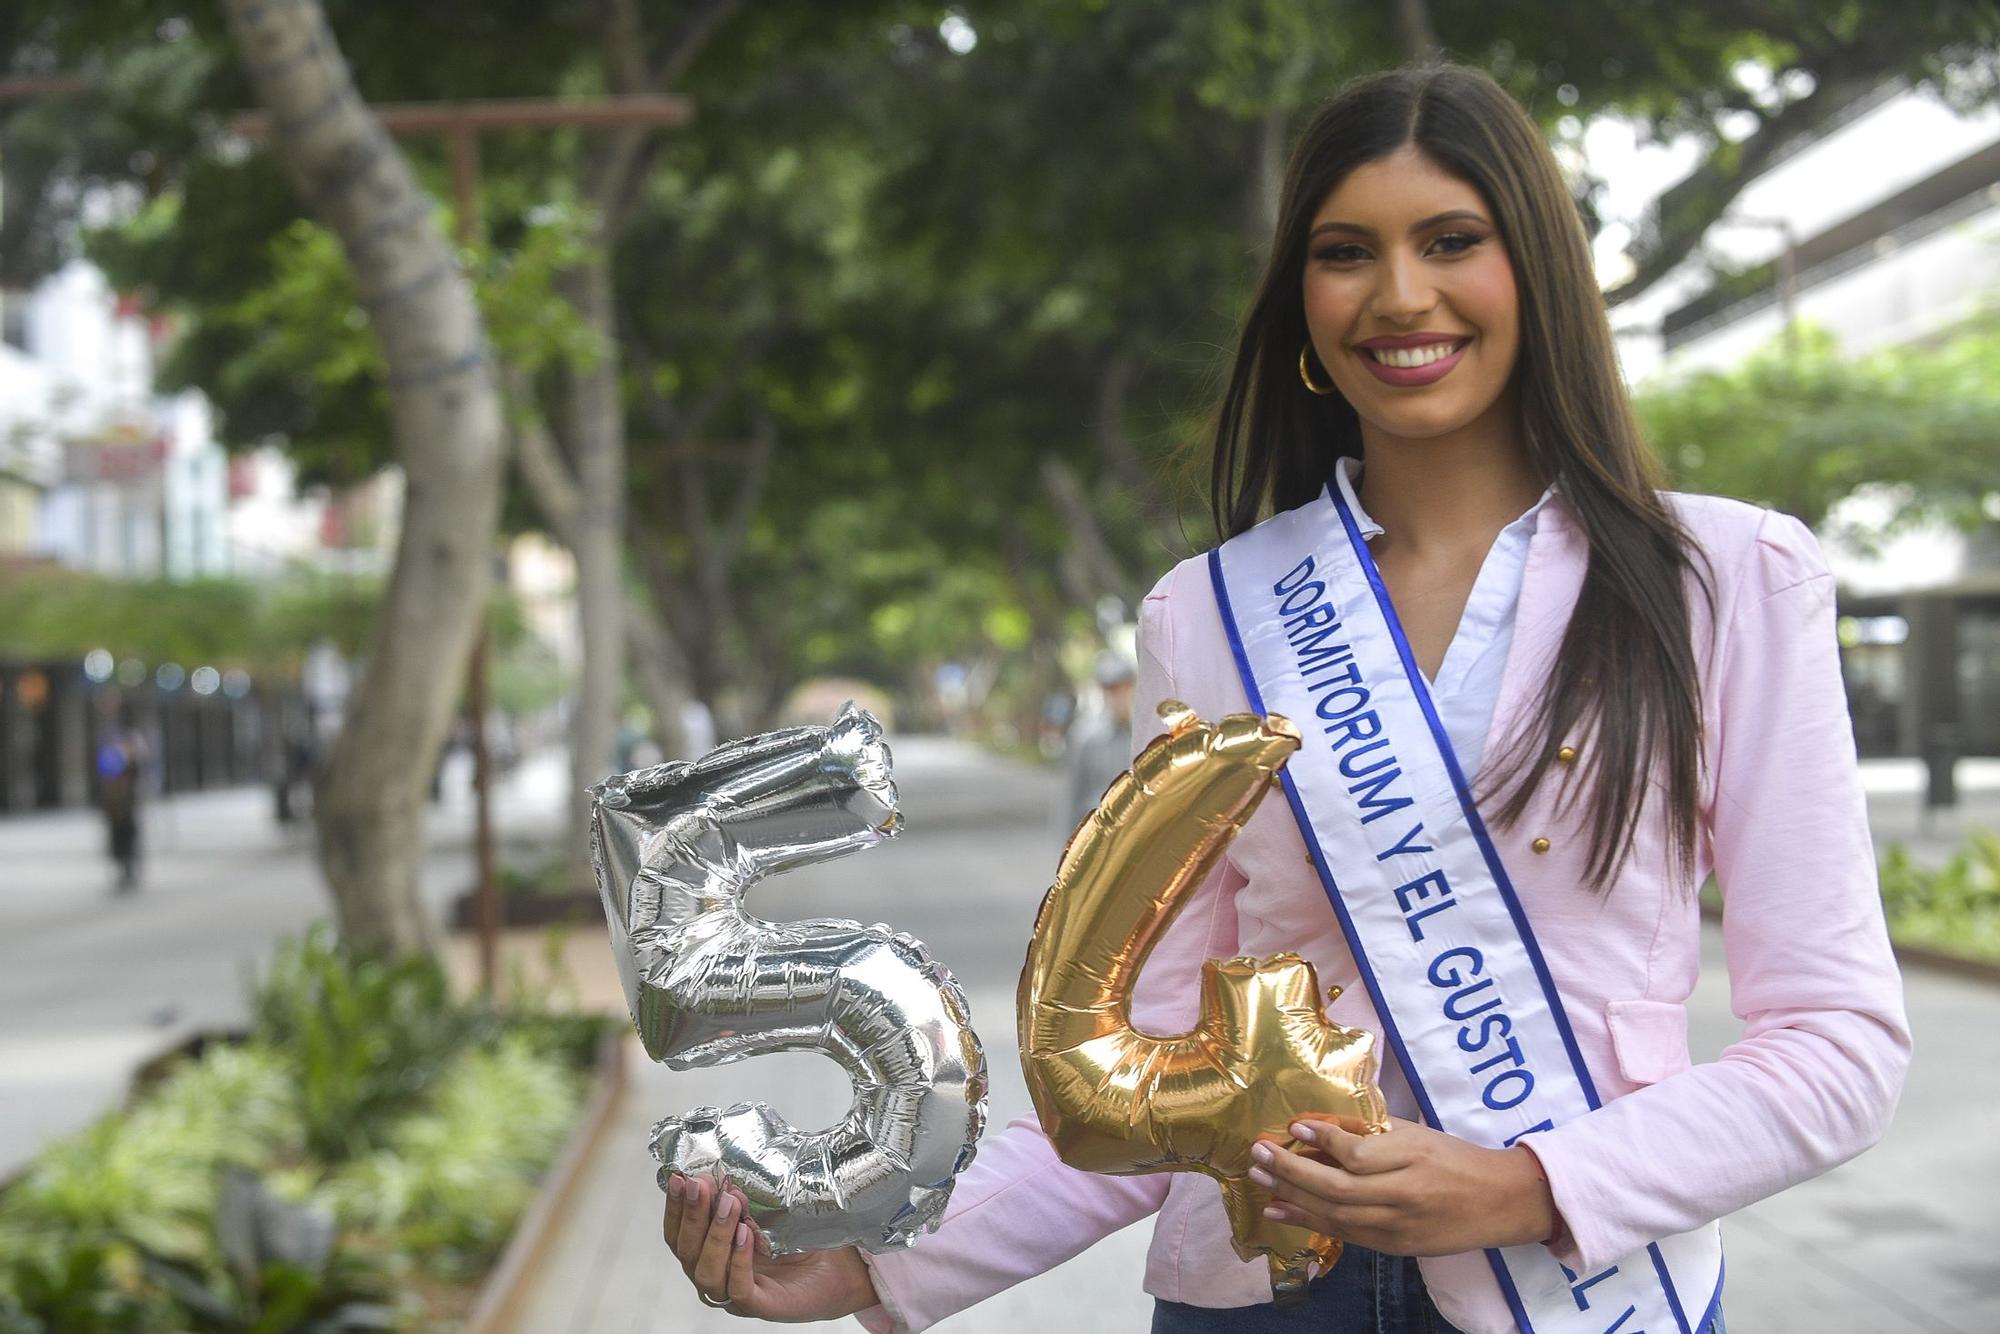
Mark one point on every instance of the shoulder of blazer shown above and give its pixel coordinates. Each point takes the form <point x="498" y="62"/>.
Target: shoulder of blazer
<point x="1726" y="531"/>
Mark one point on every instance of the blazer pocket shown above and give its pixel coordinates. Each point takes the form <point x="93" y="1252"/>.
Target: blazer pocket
<point x="1650" y="1038"/>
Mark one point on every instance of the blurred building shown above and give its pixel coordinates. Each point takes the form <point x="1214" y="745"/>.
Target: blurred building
<point x="272" y="526"/>
<point x="100" y="473"/>
<point x="1884" y="228"/>
<point x="139" y="486"/>
<point x="30" y="451"/>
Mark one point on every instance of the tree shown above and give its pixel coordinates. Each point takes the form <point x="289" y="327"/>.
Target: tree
<point x="445" y="406"/>
<point x="1801" y="430"/>
<point x="914" y="323"/>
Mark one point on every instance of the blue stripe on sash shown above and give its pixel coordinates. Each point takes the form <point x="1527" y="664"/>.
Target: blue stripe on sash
<point x="1477" y="826"/>
<point x="1715" y="1302"/>
<point x="1493" y="862"/>
<point x="1464" y="791"/>
<point x="1320" y="862"/>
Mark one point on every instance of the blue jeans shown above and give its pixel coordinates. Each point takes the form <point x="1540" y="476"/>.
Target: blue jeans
<point x="1366" y="1293"/>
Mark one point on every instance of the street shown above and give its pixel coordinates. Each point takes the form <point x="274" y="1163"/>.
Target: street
<point x="1902" y="1239"/>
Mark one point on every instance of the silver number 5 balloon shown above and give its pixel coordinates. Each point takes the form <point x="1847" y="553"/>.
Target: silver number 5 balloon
<point x="674" y="848"/>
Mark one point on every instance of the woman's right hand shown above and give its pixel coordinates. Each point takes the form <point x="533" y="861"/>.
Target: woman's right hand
<point x="724" y="1256"/>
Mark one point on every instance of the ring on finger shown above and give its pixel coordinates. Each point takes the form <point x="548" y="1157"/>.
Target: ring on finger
<point x="707" y="1300"/>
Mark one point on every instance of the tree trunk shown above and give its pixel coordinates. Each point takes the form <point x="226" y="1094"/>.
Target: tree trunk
<point x="449" y="433"/>
<point x="659" y="669"/>
<point x="1100" y="572"/>
<point x="1414" y="30"/>
<point x="596" y="409"/>
<point x="597" y="446"/>
<point x="659" y="673"/>
<point x="1130" y="473"/>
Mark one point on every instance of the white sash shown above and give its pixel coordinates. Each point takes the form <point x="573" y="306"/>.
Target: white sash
<point x="1443" y="945"/>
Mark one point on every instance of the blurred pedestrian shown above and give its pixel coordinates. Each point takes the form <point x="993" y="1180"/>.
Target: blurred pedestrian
<point x="1100" y="739"/>
<point x="697" y="730"/>
<point x="121" y="763"/>
<point x="293" y="776"/>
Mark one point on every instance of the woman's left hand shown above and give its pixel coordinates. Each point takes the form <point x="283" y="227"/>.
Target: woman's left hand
<point x="1411" y="1191"/>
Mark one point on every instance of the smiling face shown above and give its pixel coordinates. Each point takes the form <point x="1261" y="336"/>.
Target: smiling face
<point x="1411" y="304"/>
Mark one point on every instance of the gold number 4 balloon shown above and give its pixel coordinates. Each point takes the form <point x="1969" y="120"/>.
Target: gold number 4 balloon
<point x="1263" y="1055"/>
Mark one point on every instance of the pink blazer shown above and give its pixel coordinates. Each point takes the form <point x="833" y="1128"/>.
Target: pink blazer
<point x="1812" y="1082"/>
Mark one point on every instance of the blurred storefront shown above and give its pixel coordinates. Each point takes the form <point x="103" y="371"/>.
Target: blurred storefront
<point x="204" y="729"/>
<point x="1923" y="669"/>
<point x="30" y="457"/>
<point x="101" y="473"/>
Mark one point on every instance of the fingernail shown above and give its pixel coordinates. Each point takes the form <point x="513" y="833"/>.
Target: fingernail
<point x="673" y="1188"/>
<point x="1261" y="1151"/>
<point x="725" y="1207"/>
<point x="1261" y="1177"/>
<point x="1303" y="1132"/>
<point x="742" y="1235"/>
<point x="1275" y="1213"/>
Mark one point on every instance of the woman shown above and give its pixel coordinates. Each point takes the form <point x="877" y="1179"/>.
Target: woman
<point x="1641" y="689"/>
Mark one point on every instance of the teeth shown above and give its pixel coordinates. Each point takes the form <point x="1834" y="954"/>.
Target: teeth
<point x="1411" y="357"/>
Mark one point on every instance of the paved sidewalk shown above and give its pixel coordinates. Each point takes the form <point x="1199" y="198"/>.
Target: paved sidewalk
<point x="1901" y="1239"/>
<point x="1896" y="812"/>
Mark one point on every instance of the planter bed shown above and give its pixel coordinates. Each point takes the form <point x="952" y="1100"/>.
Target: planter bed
<point x="370" y="1154"/>
<point x="494" y="1310"/>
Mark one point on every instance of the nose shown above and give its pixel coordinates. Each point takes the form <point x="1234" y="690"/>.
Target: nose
<point x="1402" y="294"/>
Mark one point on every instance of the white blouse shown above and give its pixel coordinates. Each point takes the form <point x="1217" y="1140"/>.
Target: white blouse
<point x="1468" y="680"/>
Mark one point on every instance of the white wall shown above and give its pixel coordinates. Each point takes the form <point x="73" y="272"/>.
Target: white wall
<point x="1907" y="291"/>
<point x="87" y="375"/>
<point x="1881" y="152"/>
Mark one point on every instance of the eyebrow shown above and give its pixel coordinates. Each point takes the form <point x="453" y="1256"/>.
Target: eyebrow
<point x="1450" y="215"/>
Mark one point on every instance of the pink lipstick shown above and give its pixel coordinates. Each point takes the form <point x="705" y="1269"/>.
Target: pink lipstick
<point x="1409" y="377"/>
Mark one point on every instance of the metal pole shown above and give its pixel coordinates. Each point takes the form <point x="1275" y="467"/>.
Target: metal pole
<point x="464" y="141"/>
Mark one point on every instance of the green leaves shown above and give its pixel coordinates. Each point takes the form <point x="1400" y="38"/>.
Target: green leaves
<point x="1802" y="428"/>
<point x="281" y="1272"/>
<point x="451" y="1178"/>
<point x="365" y="1036"/>
<point x="56" y="614"/>
<point x="208" y="1204"/>
<point x="1954" y="908"/>
<point x="72" y="1288"/>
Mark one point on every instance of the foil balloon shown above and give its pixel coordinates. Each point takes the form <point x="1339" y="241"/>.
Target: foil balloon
<point x="1262" y="1055"/>
<point x="674" y="848"/>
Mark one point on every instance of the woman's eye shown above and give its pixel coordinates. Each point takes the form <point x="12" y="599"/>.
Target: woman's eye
<point x="1465" y="242"/>
<point x="1340" y="254"/>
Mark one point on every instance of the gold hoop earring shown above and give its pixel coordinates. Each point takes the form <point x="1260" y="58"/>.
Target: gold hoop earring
<point x="1305" y="374"/>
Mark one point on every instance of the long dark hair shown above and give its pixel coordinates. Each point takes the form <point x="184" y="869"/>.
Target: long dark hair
<point x="1625" y="675"/>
